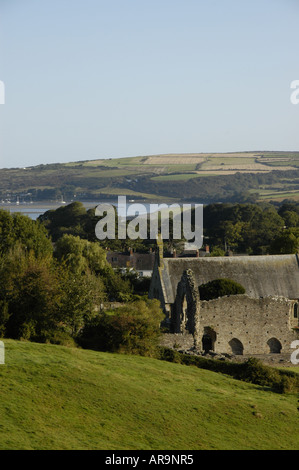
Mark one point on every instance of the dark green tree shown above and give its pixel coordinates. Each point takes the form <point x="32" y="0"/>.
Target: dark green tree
<point x="81" y="299"/>
<point x="219" y="288"/>
<point x="69" y="219"/>
<point x="85" y="257"/>
<point x="30" y="294"/>
<point x="133" y="328"/>
<point x="286" y="243"/>
<point x="30" y="234"/>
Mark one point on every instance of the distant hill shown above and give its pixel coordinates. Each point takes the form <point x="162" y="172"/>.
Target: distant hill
<point x="214" y="177"/>
<point x="58" y="398"/>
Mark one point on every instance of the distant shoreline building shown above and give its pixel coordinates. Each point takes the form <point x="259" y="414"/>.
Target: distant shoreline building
<point x="142" y="263"/>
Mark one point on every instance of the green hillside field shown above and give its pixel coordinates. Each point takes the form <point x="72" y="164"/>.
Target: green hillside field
<point x="54" y="397"/>
<point x="208" y="177"/>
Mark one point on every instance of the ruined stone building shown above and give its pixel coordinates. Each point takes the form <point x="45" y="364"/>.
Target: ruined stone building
<point x="261" y="321"/>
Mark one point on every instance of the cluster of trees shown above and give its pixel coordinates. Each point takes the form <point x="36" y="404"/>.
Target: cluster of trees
<point x="55" y="281"/>
<point x="132" y="328"/>
<point x="74" y="219"/>
<point x="226" y="188"/>
<point x="241" y="227"/>
<point x="51" y="292"/>
<point x="252" y="228"/>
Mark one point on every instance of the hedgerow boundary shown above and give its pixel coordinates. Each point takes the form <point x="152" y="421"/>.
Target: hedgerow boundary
<point x="252" y="370"/>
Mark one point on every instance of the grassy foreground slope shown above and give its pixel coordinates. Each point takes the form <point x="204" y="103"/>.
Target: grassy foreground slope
<point x="52" y="397"/>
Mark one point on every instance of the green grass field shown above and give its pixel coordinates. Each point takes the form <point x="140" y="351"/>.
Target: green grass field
<point x="53" y="397"/>
<point x="130" y="193"/>
<point x="177" y="177"/>
<point x="277" y="195"/>
<point x="158" y="173"/>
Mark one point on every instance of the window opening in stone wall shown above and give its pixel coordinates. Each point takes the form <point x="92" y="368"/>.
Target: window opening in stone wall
<point x="274" y="346"/>
<point x="208" y="339"/>
<point x="184" y="309"/>
<point x="236" y="347"/>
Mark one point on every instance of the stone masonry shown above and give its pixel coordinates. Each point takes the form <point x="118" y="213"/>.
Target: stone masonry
<point x="258" y="322"/>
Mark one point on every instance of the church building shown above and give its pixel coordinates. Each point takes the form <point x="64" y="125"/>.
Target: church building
<point x="263" y="320"/>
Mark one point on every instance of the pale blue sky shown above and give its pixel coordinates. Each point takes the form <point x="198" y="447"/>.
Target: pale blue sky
<point x="90" y="79"/>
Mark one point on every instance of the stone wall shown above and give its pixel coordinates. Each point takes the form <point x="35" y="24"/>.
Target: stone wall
<point x="243" y="325"/>
<point x="177" y="341"/>
<point x="185" y="311"/>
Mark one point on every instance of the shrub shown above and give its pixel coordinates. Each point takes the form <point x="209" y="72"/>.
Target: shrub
<point x="252" y="370"/>
<point x="219" y="288"/>
<point x="133" y="328"/>
<point x="60" y="337"/>
<point x="169" y="355"/>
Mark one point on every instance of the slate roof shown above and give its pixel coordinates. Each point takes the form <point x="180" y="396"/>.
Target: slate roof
<point x="138" y="261"/>
<point x="261" y="276"/>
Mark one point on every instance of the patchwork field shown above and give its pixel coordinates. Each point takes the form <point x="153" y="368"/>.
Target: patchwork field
<point x="154" y="177"/>
<point x="174" y="160"/>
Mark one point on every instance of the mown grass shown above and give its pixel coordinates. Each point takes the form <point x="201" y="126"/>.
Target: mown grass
<point x="278" y="195"/>
<point x="176" y="177"/>
<point x="132" y="193"/>
<point x="52" y="397"/>
<point x="230" y="160"/>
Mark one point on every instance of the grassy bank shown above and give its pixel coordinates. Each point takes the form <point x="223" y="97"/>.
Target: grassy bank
<point x="52" y="397"/>
<point x="252" y="370"/>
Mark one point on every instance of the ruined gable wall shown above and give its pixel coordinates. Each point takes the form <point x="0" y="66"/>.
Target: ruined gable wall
<point x="185" y="311"/>
<point x="157" y="291"/>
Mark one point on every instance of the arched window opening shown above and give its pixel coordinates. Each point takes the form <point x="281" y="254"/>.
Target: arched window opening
<point x="208" y="339"/>
<point x="236" y="347"/>
<point x="184" y="313"/>
<point x="274" y="346"/>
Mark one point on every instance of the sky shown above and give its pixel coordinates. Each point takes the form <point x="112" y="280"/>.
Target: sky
<point x="88" y="79"/>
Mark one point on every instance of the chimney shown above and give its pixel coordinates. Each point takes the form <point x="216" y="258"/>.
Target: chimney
<point x="160" y="251"/>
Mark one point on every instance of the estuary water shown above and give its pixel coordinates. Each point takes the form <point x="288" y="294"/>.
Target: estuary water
<point x="34" y="210"/>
